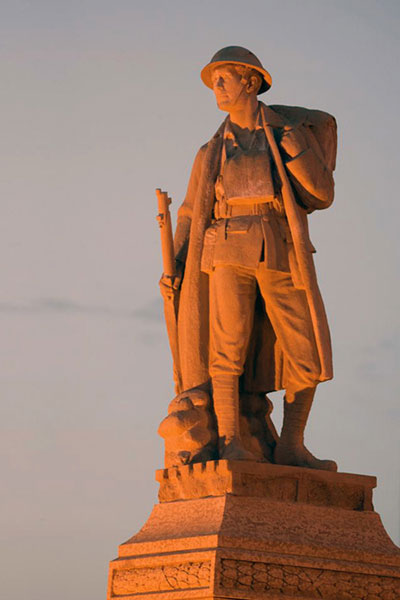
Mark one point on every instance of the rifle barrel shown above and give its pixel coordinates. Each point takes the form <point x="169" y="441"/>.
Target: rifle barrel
<point x="167" y="241"/>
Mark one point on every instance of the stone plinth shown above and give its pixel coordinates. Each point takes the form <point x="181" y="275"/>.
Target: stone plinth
<point x="238" y="530"/>
<point x="289" y="484"/>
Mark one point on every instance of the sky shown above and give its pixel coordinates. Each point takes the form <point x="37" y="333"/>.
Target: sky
<point x="102" y="102"/>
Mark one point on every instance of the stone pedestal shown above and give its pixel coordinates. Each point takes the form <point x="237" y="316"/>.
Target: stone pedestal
<point x="252" y="531"/>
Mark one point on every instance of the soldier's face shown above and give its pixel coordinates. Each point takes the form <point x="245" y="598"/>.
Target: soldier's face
<point x="228" y="87"/>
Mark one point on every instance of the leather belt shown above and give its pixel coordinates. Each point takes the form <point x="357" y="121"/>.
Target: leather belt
<point x="223" y="210"/>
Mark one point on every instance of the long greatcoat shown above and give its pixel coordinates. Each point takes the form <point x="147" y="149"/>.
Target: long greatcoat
<point x="311" y="187"/>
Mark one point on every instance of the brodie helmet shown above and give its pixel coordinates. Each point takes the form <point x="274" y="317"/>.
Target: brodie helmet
<point x="236" y="55"/>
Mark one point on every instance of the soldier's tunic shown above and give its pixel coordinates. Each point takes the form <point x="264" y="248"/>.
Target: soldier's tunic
<point x="246" y="248"/>
<point x="311" y="181"/>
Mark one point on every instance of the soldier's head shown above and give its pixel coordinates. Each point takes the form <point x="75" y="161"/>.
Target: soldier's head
<point x="235" y="74"/>
<point x="233" y="84"/>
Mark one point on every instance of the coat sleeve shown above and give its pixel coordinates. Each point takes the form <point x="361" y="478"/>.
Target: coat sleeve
<point x="181" y="238"/>
<point x="311" y="171"/>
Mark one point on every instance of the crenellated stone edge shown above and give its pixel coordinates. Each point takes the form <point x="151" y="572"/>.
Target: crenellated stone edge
<point x="275" y="482"/>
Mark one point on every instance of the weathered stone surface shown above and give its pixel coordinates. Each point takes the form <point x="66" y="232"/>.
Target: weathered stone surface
<point x="257" y="524"/>
<point x="178" y="576"/>
<point x="291" y="484"/>
<point x="303" y="582"/>
<point x="189" y="430"/>
<point x="264" y="546"/>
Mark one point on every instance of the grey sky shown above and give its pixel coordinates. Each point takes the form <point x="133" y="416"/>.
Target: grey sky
<point x="101" y="103"/>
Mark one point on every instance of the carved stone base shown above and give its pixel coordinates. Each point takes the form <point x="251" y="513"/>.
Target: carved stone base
<point x="229" y="530"/>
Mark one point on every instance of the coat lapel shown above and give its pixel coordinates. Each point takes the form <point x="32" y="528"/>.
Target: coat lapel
<point x="272" y="118"/>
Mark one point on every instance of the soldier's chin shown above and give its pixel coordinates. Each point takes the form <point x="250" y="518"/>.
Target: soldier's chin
<point x="223" y="104"/>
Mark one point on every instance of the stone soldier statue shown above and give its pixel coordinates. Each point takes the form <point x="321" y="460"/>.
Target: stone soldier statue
<point x="249" y="314"/>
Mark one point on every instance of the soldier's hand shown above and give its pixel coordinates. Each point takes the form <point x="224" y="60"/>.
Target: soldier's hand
<point x="293" y="141"/>
<point x="170" y="285"/>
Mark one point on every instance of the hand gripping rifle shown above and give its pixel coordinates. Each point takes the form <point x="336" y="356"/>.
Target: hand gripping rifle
<point x="171" y="297"/>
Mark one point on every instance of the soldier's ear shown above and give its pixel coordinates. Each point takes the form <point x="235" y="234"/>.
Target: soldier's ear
<point x="251" y="83"/>
<point x="245" y="79"/>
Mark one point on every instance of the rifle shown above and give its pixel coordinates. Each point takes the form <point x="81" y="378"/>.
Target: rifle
<point x="171" y="300"/>
<point x="167" y="242"/>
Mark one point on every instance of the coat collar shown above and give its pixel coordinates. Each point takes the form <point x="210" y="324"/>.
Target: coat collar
<point x="272" y="118"/>
<point x="228" y="132"/>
